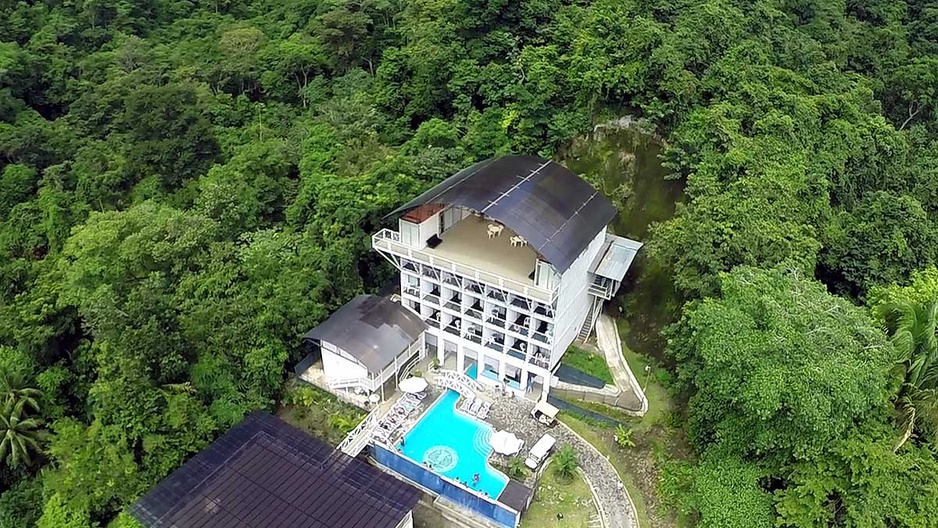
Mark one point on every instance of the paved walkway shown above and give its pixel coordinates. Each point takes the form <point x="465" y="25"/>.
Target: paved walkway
<point x="607" y="337"/>
<point x="514" y="414"/>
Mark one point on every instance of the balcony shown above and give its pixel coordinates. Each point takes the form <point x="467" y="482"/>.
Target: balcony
<point x="466" y="251"/>
<point x="453" y="327"/>
<point x="432" y="298"/>
<point x="474" y="287"/>
<point x="518" y="329"/>
<point x="410" y="266"/>
<point x="496" y="295"/>
<point x="542" y="337"/>
<point x="496" y="343"/>
<point x="451" y="279"/>
<point x="520" y="303"/>
<point x="539" y="361"/>
<point x="412" y="291"/>
<point x="434" y="320"/>
<point x="474" y="314"/>
<point x="431" y="273"/>
<point x="544" y="310"/>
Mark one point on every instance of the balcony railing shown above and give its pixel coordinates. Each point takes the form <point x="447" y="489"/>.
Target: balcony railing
<point x="451" y="329"/>
<point x="390" y="241"/>
<point x="473" y="313"/>
<point x="542" y="337"/>
<point x="435" y="323"/>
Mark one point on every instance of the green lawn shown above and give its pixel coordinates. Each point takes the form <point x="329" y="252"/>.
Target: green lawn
<point x="588" y="362"/>
<point x="573" y="499"/>
<point x="318" y="413"/>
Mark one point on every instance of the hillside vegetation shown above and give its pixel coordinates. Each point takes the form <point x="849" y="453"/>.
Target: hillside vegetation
<point x="188" y="185"/>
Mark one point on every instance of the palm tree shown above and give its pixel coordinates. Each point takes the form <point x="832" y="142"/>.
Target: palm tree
<point x="19" y="435"/>
<point x="565" y="463"/>
<point x="913" y="330"/>
<point x="13" y="389"/>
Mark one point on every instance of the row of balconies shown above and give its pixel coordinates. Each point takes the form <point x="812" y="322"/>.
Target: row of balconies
<point x="456" y="282"/>
<point x="520" y="348"/>
<point x="499" y="318"/>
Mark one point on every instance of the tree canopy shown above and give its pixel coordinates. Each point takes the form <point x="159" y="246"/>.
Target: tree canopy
<point x="186" y="187"/>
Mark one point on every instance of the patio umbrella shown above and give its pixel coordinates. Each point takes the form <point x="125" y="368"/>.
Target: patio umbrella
<point x="413" y="385"/>
<point x="506" y="443"/>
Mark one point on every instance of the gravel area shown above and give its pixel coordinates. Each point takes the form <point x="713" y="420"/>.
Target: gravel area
<point x="514" y="414"/>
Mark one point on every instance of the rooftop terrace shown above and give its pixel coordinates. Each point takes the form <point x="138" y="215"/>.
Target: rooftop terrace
<point x="467" y="242"/>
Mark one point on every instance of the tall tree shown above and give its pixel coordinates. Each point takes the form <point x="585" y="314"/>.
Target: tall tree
<point x="19" y="435"/>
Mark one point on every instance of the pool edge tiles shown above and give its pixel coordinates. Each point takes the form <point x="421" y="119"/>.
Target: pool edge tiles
<point x="454" y="445"/>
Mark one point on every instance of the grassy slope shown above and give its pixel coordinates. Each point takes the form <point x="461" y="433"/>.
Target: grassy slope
<point x="588" y="362"/>
<point x="573" y="499"/>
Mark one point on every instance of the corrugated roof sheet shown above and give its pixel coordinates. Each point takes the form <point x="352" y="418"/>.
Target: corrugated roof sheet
<point x="555" y="210"/>
<point x="615" y="258"/>
<point x="373" y="329"/>
<point x="264" y="473"/>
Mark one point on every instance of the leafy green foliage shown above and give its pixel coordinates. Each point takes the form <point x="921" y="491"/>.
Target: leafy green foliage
<point x="723" y="490"/>
<point x="185" y="188"/>
<point x="564" y="463"/>
<point x="516" y="468"/>
<point x="777" y="367"/>
<point x="623" y="437"/>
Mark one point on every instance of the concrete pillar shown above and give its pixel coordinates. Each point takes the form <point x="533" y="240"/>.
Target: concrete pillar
<point x="460" y="357"/>
<point x="524" y="379"/>
<point x="501" y="368"/>
<point x="480" y="362"/>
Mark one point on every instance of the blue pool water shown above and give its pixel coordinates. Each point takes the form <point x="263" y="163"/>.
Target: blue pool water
<point x="455" y="445"/>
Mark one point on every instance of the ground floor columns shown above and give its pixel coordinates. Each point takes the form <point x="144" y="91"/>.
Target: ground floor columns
<point x="480" y="362"/>
<point x="524" y="379"/>
<point x="460" y="357"/>
<point x="501" y="369"/>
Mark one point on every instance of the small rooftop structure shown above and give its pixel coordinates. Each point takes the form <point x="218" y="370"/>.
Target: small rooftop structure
<point x="553" y="209"/>
<point x="264" y="473"/>
<point x="373" y="330"/>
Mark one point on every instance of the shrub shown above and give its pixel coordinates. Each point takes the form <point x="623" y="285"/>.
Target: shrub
<point x="624" y="437"/>
<point x="565" y="463"/>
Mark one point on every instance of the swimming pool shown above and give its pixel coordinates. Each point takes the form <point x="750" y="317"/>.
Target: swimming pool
<point x="455" y="445"/>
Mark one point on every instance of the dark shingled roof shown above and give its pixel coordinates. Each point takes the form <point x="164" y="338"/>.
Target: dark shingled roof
<point x="373" y="329"/>
<point x="264" y="473"/>
<point x="555" y="210"/>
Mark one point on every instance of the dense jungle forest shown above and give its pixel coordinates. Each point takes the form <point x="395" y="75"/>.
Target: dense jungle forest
<point x="186" y="186"/>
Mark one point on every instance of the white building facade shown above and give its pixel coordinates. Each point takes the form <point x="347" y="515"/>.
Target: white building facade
<point x="508" y="262"/>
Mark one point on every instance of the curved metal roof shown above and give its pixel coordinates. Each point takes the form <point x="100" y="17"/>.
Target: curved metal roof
<point x="373" y="329"/>
<point x="555" y="210"/>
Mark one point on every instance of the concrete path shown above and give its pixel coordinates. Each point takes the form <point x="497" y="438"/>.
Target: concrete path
<point x="607" y="336"/>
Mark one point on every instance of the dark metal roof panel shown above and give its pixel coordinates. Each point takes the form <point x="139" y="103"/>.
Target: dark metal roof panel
<point x="249" y="476"/>
<point x="555" y="210"/>
<point x="373" y="329"/>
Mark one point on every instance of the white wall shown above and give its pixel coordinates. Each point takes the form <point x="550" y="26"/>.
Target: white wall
<point x="573" y="299"/>
<point x="337" y="367"/>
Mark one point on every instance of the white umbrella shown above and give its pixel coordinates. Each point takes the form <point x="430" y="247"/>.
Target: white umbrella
<point x="413" y="385"/>
<point x="506" y="443"/>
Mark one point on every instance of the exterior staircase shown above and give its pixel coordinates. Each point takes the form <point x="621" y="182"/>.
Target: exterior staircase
<point x="591" y="316"/>
<point x="359" y="437"/>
